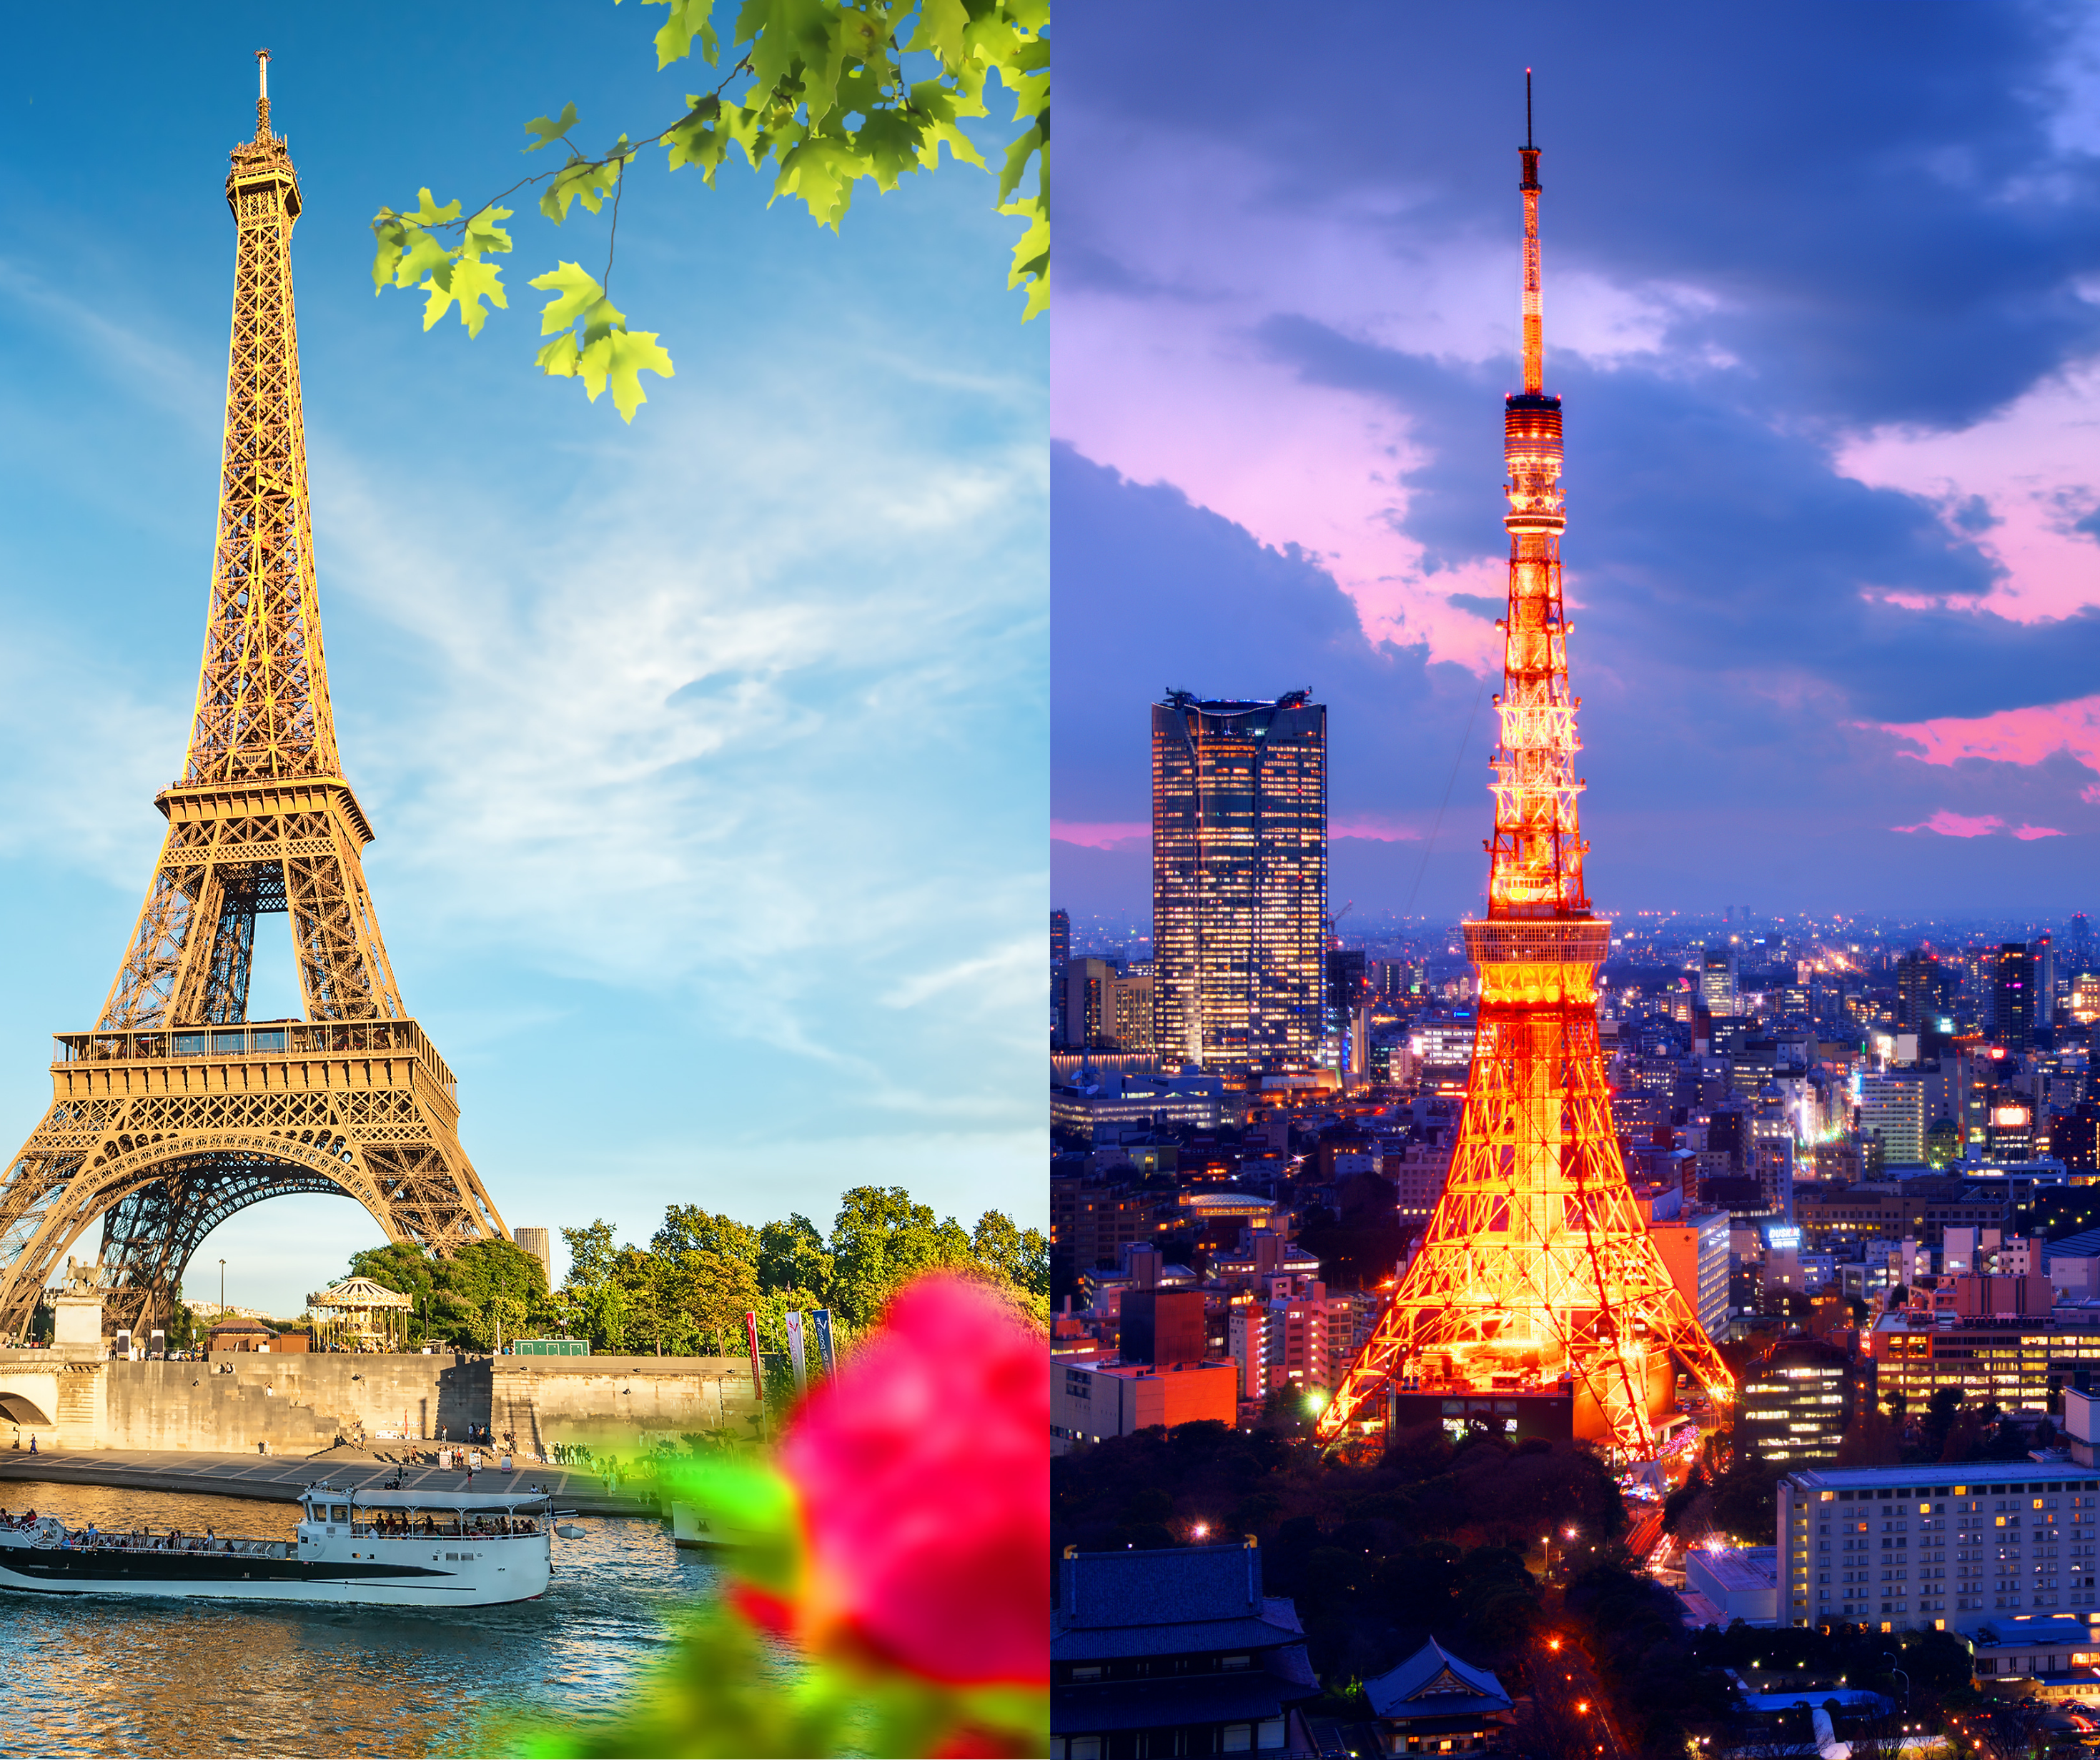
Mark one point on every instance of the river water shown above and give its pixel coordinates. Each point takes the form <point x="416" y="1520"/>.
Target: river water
<point x="98" y="1675"/>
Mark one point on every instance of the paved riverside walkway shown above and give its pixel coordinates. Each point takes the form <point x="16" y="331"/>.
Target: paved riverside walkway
<point x="279" y="1478"/>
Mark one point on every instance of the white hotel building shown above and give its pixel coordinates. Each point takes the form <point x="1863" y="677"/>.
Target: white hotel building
<point x="1945" y="1548"/>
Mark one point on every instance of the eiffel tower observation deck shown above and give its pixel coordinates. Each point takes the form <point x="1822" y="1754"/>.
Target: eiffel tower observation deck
<point x="176" y="1111"/>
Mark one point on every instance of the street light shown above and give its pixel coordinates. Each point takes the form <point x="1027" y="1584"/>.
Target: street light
<point x="222" y="1292"/>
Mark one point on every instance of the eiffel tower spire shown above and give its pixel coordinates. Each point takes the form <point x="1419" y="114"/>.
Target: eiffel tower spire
<point x="262" y="717"/>
<point x="175" y="1113"/>
<point x="262" y="699"/>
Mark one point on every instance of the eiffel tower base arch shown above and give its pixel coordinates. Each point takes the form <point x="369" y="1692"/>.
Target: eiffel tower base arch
<point x="161" y="1147"/>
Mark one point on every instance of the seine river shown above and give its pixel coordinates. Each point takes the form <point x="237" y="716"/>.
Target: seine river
<point x="110" y="1676"/>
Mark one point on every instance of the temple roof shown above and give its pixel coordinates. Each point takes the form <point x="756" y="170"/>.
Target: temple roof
<point x="1433" y="1683"/>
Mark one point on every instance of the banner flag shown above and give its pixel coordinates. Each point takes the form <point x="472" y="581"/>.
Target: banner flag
<point x="795" y="1360"/>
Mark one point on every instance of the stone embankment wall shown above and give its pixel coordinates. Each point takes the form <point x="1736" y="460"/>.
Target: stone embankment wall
<point x="238" y="1402"/>
<point x="604" y="1402"/>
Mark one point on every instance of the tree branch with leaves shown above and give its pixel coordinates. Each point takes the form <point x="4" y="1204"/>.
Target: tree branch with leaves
<point x="823" y="91"/>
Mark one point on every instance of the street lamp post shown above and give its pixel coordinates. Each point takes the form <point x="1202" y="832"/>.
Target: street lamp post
<point x="222" y="1292"/>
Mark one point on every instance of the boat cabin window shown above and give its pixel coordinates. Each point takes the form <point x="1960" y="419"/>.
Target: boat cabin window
<point x="338" y="1513"/>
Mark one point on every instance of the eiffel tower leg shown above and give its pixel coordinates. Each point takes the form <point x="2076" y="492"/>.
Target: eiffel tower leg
<point x="145" y="982"/>
<point x="343" y="970"/>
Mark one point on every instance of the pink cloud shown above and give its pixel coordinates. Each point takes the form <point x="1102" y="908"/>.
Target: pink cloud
<point x="1377" y="829"/>
<point x="2011" y="736"/>
<point x="2030" y="465"/>
<point x="1956" y="824"/>
<point x="1100" y="837"/>
<point x="1967" y="826"/>
<point x="1167" y="386"/>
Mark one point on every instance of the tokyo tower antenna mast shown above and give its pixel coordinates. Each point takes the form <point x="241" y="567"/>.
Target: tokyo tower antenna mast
<point x="1536" y="1279"/>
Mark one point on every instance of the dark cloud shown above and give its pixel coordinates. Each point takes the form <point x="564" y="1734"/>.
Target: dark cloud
<point x="1876" y="202"/>
<point x="1154" y="593"/>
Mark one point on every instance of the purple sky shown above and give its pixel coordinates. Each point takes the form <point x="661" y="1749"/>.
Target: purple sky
<point x="1823" y="298"/>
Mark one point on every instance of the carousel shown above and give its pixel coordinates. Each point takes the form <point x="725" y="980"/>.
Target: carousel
<point x="358" y="1314"/>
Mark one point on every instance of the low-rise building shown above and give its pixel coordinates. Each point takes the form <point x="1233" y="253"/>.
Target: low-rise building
<point x="2057" y="1648"/>
<point x="1435" y="1703"/>
<point x="1174" y="1651"/>
<point x="1734" y="1583"/>
<point x="1091" y="1401"/>
<point x="2010" y="1360"/>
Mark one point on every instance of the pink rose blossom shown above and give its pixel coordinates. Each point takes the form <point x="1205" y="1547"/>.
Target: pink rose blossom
<point x="923" y="1475"/>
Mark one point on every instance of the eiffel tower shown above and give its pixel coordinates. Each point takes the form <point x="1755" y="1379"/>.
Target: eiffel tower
<point x="177" y="1111"/>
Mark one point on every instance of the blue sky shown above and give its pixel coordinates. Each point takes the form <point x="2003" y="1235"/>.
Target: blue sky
<point x="1823" y="298"/>
<point x="707" y="756"/>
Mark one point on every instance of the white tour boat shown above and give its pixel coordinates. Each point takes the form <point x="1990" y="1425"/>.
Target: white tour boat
<point x="373" y="1547"/>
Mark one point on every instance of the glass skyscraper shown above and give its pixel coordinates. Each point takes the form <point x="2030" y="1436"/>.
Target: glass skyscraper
<point x="1239" y="880"/>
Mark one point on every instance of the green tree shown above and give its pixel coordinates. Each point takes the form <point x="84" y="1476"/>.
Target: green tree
<point x="791" y="1256"/>
<point x="881" y="1240"/>
<point x="464" y="1300"/>
<point x="823" y="89"/>
<point x="1021" y="1256"/>
<point x="687" y="1227"/>
<point x="591" y="1251"/>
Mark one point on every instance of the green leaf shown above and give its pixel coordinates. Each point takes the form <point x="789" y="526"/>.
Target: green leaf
<point x="822" y="173"/>
<point x="558" y="359"/>
<point x="483" y="234"/>
<point x="1020" y="151"/>
<point x="618" y="360"/>
<point x="889" y="141"/>
<point x="942" y="24"/>
<point x="1031" y="255"/>
<point x="551" y="129"/>
<point x="689" y="19"/>
<point x="589" y="180"/>
<point x="581" y="299"/>
<point x="694" y="139"/>
<point x="466" y="281"/>
<point x="429" y="214"/>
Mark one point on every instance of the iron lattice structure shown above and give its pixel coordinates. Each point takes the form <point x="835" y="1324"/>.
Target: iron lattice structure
<point x="175" y="1112"/>
<point x="1536" y="1268"/>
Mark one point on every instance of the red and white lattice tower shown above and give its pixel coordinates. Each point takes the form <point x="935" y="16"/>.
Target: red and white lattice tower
<point x="1536" y="1271"/>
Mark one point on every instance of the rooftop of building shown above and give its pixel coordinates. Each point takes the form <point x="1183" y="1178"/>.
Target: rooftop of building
<point x="1972" y="1478"/>
<point x="1124" y="1371"/>
<point x="1736" y="1569"/>
<point x="1167" y="1601"/>
<point x="1434" y="1683"/>
<point x="2061" y="1318"/>
<point x="2024" y="1631"/>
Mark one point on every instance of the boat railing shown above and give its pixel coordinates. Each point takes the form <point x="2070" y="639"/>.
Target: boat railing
<point x="198" y="1545"/>
<point x="525" y="1527"/>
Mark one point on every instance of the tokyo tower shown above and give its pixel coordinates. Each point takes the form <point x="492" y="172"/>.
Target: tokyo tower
<point x="1536" y="1275"/>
